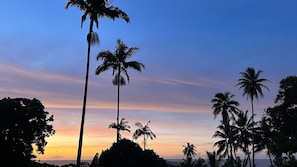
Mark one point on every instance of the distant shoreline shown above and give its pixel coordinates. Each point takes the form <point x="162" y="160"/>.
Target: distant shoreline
<point x="259" y="162"/>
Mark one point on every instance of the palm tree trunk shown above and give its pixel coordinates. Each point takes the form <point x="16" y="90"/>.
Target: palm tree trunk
<point x="231" y="152"/>
<point x="118" y="107"/>
<point x="253" y="131"/>
<point x="84" y="98"/>
<point x="228" y="155"/>
<point x="269" y="155"/>
<point x="249" y="158"/>
<point x="144" y="142"/>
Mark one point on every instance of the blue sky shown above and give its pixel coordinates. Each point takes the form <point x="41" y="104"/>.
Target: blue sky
<point x="191" y="50"/>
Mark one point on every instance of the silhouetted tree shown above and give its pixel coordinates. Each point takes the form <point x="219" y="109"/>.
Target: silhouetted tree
<point x="123" y="125"/>
<point x="23" y="122"/>
<point x="233" y="162"/>
<point x="282" y="122"/>
<point x="223" y="103"/>
<point x="144" y="131"/>
<point x="228" y="135"/>
<point x="200" y="162"/>
<point x="117" y="61"/>
<point x="244" y="125"/>
<point x="213" y="159"/>
<point x="189" y="151"/>
<point x="95" y="161"/>
<point x="94" y="9"/>
<point x="252" y="85"/>
<point x="126" y="153"/>
<point x="37" y="164"/>
<point x="263" y="137"/>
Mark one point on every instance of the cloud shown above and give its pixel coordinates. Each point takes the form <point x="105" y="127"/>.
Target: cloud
<point x="62" y="91"/>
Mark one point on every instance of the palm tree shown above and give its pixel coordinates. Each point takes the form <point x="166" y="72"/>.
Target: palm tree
<point x="252" y="87"/>
<point x="228" y="134"/>
<point x="244" y="126"/>
<point x="118" y="62"/>
<point x="94" y="9"/>
<point x="145" y="131"/>
<point x="263" y="137"/>
<point x="189" y="151"/>
<point x="123" y="125"/>
<point x="213" y="159"/>
<point x="223" y="103"/>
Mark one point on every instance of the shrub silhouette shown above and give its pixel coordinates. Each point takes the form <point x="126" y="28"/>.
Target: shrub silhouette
<point x="126" y="153"/>
<point x="23" y="123"/>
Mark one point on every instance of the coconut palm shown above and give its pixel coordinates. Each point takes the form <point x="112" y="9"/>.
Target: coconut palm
<point x="244" y="125"/>
<point x="123" y="125"/>
<point x="94" y="9"/>
<point x="117" y="61"/>
<point x="223" y="103"/>
<point x="263" y="137"/>
<point x="252" y="85"/>
<point x="228" y="135"/>
<point x="189" y="151"/>
<point x="213" y="159"/>
<point x="144" y="131"/>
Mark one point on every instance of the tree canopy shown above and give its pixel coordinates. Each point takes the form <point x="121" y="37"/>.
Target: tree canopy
<point x="23" y="122"/>
<point x="127" y="153"/>
<point x="282" y="120"/>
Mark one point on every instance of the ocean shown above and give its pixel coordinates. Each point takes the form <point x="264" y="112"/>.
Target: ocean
<point x="259" y="162"/>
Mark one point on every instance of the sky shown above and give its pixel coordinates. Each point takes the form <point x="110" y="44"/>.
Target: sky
<point x="191" y="51"/>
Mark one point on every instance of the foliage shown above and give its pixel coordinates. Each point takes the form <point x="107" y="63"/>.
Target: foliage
<point x="123" y="125"/>
<point x="126" y="153"/>
<point x="117" y="61"/>
<point x="244" y="126"/>
<point x="263" y="137"/>
<point x="200" y="162"/>
<point x="230" y="162"/>
<point x="23" y="122"/>
<point x="282" y="121"/>
<point x="252" y="85"/>
<point x="287" y="93"/>
<point x="144" y="131"/>
<point x="37" y="164"/>
<point x="94" y="9"/>
<point x="193" y="163"/>
<point x="213" y="159"/>
<point x="223" y="103"/>
<point x="95" y="161"/>
<point x="228" y="135"/>
<point x="189" y="151"/>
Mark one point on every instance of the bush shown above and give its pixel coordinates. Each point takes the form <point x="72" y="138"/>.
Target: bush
<point x="126" y="153"/>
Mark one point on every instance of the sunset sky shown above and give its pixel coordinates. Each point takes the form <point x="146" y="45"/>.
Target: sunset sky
<point x="191" y="50"/>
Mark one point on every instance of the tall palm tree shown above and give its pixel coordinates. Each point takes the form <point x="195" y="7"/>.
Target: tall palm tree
<point x="252" y="85"/>
<point x="94" y="9"/>
<point x="145" y="131"/>
<point x="119" y="64"/>
<point x="123" y="125"/>
<point x="223" y="103"/>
